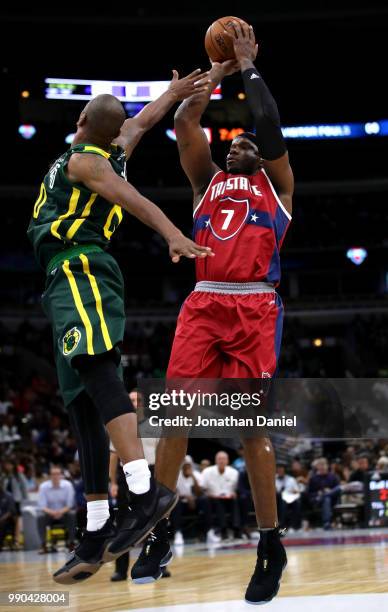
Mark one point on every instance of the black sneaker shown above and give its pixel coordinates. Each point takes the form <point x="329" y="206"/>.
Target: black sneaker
<point x="155" y="555"/>
<point x="271" y="561"/>
<point x="143" y="514"/>
<point x="87" y="558"/>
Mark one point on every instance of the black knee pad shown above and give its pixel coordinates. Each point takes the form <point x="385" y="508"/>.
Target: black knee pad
<point x="104" y="386"/>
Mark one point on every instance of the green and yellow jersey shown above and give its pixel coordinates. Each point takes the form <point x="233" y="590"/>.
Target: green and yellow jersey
<point x="66" y="214"/>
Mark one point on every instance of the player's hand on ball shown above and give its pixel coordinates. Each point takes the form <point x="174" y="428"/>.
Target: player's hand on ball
<point x="244" y="44"/>
<point x="195" y="82"/>
<point x="221" y="70"/>
<point x="180" y="246"/>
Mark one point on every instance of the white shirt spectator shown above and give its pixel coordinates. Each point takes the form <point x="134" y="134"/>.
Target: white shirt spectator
<point x="288" y="488"/>
<point x="217" y="484"/>
<point x="185" y="484"/>
<point x="56" y="498"/>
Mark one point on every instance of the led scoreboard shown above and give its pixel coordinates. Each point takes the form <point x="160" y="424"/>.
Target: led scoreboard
<point x="126" y="91"/>
<point x="377" y="501"/>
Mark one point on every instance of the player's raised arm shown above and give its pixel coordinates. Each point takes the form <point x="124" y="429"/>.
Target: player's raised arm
<point x="266" y="115"/>
<point x="133" y="129"/>
<point x="194" y="149"/>
<point x="97" y="174"/>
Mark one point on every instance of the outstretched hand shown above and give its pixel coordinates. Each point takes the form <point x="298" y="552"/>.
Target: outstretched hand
<point x="193" y="83"/>
<point x="244" y="44"/>
<point x="180" y="246"/>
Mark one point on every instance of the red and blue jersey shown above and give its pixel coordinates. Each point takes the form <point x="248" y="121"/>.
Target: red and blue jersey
<point x="244" y="222"/>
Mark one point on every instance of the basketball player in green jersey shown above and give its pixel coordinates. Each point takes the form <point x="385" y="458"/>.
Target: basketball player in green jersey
<point x="78" y="209"/>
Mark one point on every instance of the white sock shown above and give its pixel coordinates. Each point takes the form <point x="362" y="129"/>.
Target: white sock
<point x="98" y="514"/>
<point x="137" y="475"/>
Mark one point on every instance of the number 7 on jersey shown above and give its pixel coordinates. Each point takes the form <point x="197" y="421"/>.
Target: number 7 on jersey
<point x="229" y="215"/>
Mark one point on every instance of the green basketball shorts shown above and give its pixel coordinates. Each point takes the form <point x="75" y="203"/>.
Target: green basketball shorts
<point x="84" y="301"/>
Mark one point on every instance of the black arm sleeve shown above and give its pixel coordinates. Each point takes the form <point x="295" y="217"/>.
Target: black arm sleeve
<point x="269" y="135"/>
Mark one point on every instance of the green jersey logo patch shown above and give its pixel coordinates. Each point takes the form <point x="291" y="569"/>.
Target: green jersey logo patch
<point x="71" y="340"/>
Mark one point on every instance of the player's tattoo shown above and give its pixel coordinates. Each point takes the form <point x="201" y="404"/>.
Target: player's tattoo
<point x="97" y="167"/>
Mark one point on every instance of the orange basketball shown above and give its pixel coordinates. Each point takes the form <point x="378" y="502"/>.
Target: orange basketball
<point x="218" y="46"/>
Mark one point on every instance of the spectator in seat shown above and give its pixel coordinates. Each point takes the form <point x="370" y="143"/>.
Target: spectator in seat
<point x="31" y="482"/>
<point x="219" y="482"/>
<point x="8" y="430"/>
<point x="204" y="464"/>
<point x="189" y="491"/>
<point x="56" y="499"/>
<point x="288" y="499"/>
<point x="7" y="515"/>
<point x="363" y="467"/>
<point x="300" y="473"/>
<point x="323" y="491"/>
<point x="15" y="483"/>
<point x="381" y="468"/>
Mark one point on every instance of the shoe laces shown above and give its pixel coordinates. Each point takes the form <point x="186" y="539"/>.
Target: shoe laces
<point x="265" y="543"/>
<point x="149" y="541"/>
<point x="265" y="555"/>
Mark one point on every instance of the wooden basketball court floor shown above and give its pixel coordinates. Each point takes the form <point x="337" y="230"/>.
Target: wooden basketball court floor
<point x="327" y="572"/>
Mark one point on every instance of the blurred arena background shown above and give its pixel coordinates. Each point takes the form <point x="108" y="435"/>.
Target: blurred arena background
<point x="325" y="64"/>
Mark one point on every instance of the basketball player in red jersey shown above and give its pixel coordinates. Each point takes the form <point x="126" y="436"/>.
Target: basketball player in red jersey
<point x="230" y="326"/>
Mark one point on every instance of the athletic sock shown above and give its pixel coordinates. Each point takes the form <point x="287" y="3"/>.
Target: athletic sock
<point x="137" y="475"/>
<point x="97" y="513"/>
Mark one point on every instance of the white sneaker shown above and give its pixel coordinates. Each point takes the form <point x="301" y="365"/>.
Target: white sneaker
<point x="178" y="539"/>
<point x="212" y="537"/>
